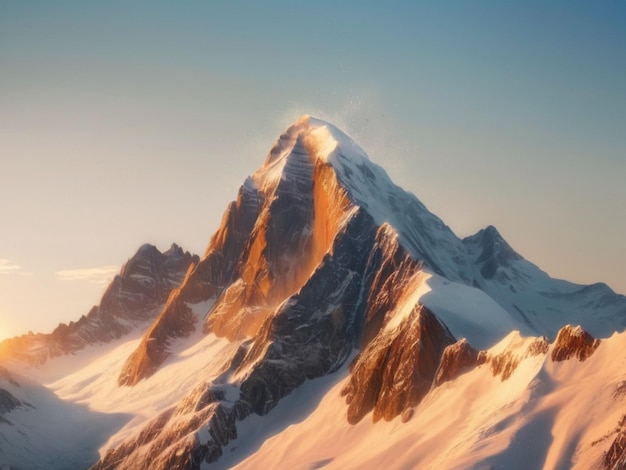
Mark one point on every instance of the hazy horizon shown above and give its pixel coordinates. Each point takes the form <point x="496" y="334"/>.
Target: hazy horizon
<point x="131" y="124"/>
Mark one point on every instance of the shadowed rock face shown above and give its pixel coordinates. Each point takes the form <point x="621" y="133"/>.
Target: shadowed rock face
<point x="573" y="342"/>
<point x="311" y="334"/>
<point x="492" y="250"/>
<point x="145" y="282"/>
<point x="133" y="297"/>
<point x="313" y="278"/>
<point x="7" y="403"/>
<point x="396" y="369"/>
<point x="314" y="332"/>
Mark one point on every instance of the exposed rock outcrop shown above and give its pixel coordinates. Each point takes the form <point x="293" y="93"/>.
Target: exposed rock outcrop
<point x="573" y="342"/>
<point x="397" y="368"/>
<point x="505" y="363"/>
<point x="457" y="359"/>
<point x="178" y="321"/>
<point x="615" y="456"/>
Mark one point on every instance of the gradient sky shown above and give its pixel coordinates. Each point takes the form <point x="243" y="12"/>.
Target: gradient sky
<point x="130" y="122"/>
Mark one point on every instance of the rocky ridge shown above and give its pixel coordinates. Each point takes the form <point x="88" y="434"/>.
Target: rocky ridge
<point x="134" y="297"/>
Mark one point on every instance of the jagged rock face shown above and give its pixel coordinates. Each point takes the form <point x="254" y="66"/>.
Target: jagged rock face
<point x="217" y="269"/>
<point x="461" y="356"/>
<point x="456" y="359"/>
<point x="573" y="342"/>
<point x="314" y="332"/>
<point x="505" y="363"/>
<point x="389" y="267"/>
<point x="145" y="281"/>
<point x="169" y="441"/>
<point x="192" y="432"/>
<point x="397" y="368"/>
<point x="294" y="230"/>
<point x="133" y="297"/>
<point x="207" y="279"/>
<point x="284" y="221"/>
<point x="270" y="242"/>
<point x="311" y="334"/>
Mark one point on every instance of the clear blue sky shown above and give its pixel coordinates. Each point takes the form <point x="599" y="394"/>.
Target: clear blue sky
<point x="130" y="122"/>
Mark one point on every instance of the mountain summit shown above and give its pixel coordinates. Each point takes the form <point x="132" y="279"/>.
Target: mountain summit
<point x="330" y="299"/>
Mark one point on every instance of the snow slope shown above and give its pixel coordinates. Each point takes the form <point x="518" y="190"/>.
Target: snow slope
<point x="47" y="432"/>
<point x="538" y="303"/>
<point x="546" y="415"/>
<point x="95" y="386"/>
<point x="76" y="410"/>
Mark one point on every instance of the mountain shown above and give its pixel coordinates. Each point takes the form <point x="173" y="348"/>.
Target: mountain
<point x="134" y="297"/>
<point x="540" y="304"/>
<point x="333" y="321"/>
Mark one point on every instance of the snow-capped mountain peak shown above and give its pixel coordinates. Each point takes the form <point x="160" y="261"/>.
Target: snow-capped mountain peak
<point x="331" y="299"/>
<point x="314" y="142"/>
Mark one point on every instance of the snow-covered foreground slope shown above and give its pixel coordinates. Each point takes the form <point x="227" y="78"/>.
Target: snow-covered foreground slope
<point x="199" y="358"/>
<point x="43" y="431"/>
<point x="517" y="409"/>
<point x="71" y="411"/>
<point x="546" y="415"/>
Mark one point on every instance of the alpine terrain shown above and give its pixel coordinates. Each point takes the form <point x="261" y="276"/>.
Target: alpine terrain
<point x="333" y="322"/>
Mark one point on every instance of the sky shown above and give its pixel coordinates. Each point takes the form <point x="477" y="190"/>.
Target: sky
<point x="123" y="123"/>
